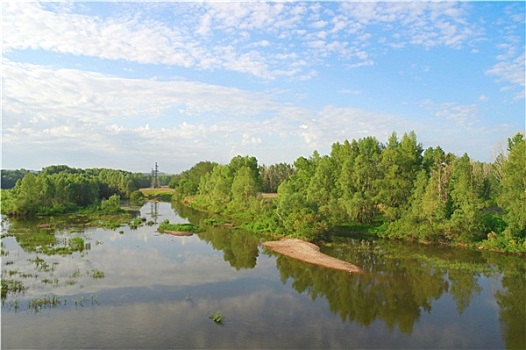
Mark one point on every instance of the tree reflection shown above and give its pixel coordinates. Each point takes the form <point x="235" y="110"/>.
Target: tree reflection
<point x="37" y="236"/>
<point x="511" y="299"/>
<point x="402" y="281"/>
<point x="239" y="248"/>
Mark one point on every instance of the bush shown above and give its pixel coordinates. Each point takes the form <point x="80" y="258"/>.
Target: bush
<point x="137" y="197"/>
<point x="111" y="205"/>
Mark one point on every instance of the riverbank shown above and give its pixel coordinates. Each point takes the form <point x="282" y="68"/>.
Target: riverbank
<point x="309" y="253"/>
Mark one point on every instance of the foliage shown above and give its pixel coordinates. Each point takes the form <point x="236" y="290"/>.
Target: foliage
<point x="60" y="189"/>
<point x="274" y="175"/>
<point x="187" y="183"/>
<point x="10" y="177"/>
<point x="231" y="187"/>
<point x="513" y="195"/>
<point x="137" y="197"/>
<point x="111" y="205"/>
<point x="397" y="189"/>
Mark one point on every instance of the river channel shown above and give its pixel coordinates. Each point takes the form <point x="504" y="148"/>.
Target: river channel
<point x="135" y="288"/>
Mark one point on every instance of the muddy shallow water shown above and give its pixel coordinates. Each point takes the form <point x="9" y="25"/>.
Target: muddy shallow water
<point x="137" y="288"/>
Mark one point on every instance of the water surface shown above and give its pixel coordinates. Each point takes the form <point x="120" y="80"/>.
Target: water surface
<point x="137" y="288"/>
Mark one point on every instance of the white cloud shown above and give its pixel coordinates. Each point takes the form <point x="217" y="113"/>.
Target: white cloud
<point x="49" y="109"/>
<point x="511" y="72"/>
<point x="427" y="24"/>
<point x="49" y="113"/>
<point x="94" y="97"/>
<point x="461" y="115"/>
<point x="29" y="26"/>
<point x="220" y="35"/>
<point x="349" y="92"/>
<point x="510" y="67"/>
<point x="54" y="110"/>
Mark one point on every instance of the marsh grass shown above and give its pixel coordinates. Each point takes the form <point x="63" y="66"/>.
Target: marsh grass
<point x="82" y="300"/>
<point x="41" y="265"/>
<point x="53" y="281"/>
<point x="96" y="273"/>
<point x="12" y="286"/>
<point x="47" y="301"/>
<point x="137" y="222"/>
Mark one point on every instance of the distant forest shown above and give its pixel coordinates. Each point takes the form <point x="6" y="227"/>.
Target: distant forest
<point x="60" y="189"/>
<point x="395" y="189"/>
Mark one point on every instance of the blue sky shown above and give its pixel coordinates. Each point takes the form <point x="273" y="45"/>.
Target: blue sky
<point x="124" y="85"/>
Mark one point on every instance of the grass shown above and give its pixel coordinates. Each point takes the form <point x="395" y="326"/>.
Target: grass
<point x="265" y="195"/>
<point x="166" y="226"/>
<point x="161" y="193"/>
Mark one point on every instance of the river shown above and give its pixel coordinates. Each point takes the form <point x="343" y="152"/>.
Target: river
<point x="134" y="288"/>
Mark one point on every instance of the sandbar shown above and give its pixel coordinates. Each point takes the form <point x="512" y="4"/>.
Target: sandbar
<point x="177" y="233"/>
<point x="310" y="253"/>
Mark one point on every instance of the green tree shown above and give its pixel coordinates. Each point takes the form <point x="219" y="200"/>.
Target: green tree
<point x="10" y="177"/>
<point x="28" y="195"/>
<point x="512" y="198"/>
<point x="322" y="189"/>
<point x="466" y="219"/>
<point x="363" y="206"/>
<point x="187" y="182"/>
<point x="298" y="217"/>
<point x="217" y="187"/>
<point x="399" y="164"/>
<point x="244" y="186"/>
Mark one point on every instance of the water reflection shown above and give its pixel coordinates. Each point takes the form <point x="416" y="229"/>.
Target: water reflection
<point x="414" y="296"/>
<point x="512" y="300"/>
<point x="239" y="248"/>
<point x="404" y="281"/>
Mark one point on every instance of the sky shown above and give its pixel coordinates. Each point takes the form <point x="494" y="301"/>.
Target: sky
<point x="123" y="85"/>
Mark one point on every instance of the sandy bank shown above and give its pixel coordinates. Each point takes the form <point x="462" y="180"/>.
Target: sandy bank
<point x="310" y="253"/>
<point x="177" y="233"/>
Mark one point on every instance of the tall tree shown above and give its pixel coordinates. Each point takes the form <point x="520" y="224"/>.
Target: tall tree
<point x="244" y="186"/>
<point x="513" y="195"/>
<point x="364" y="203"/>
<point x="466" y="220"/>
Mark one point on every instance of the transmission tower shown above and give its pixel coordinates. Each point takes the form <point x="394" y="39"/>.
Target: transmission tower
<point x="155" y="176"/>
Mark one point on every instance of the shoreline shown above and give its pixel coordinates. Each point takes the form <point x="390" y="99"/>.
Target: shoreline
<point x="309" y="253"/>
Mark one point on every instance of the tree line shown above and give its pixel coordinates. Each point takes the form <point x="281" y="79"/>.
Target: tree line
<point x="59" y="189"/>
<point x="394" y="189"/>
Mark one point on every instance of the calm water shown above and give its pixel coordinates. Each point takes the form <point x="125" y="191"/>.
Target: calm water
<point x="136" y="288"/>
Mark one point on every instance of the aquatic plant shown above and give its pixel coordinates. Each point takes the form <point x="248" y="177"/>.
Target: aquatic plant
<point x="95" y="273"/>
<point x="12" y="286"/>
<point x="217" y="317"/>
<point x="166" y="226"/>
<point x="76" y="243"/>
<point x="47" y="301"/>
